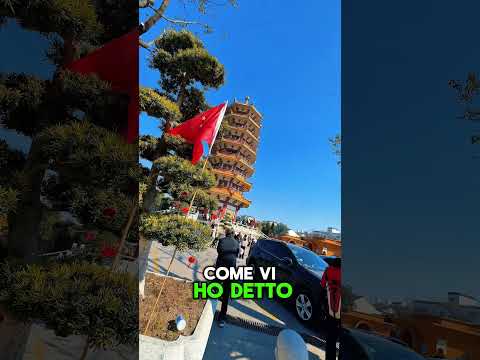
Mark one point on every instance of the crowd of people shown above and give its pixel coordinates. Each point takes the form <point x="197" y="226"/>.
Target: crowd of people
<point x="244" y="241"/>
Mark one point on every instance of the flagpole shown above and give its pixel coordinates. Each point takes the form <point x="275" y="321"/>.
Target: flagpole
<point x="189" y="208"/>
<point x="209" y="152"/>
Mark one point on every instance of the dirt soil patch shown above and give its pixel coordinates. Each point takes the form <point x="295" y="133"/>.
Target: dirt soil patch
<point x="176" y="299"/>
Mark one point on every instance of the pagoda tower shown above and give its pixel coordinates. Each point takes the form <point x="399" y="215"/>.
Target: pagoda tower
<point x="233" y="156"/>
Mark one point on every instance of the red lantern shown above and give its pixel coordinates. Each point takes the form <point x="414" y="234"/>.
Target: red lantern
<point x="110" y="212"/>
<point x="185" y="210"/>
<point x="108" y="252"/>
<point x="192" y="260"/>
<point x="89" y="236"/>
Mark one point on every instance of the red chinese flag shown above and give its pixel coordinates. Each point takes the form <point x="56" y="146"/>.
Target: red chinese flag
<point x="202" y="127"/>
<point x="117" y="63"/>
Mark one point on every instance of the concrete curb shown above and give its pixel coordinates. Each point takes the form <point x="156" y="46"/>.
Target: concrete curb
<point x="142" y="267"/>
<point x="185" y="347"/>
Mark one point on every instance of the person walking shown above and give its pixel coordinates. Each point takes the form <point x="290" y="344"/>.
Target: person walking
<point x="214" y="235"/>
<point x="227" y="249"/>
<point x="244" y="245"/>
<point x="331" y="282"/>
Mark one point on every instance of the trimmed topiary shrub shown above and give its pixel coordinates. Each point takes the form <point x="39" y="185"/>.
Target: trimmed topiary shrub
<point x="74" y="299"/>
<point x="176" y="230"/>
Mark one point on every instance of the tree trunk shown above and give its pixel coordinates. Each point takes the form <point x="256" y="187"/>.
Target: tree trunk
<point x="149" y="196"/>
<point x="125" y="230"/>
<point x="154" y="18"/>
<point x="24" y="225"/>
<point x="68" y="50"/>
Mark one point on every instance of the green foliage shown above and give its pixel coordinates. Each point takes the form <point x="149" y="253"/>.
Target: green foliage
<point x="48" y="225"/>
<point x="178" y="146"/>
<point x="87" y="154"/>
<point x="74" y="299"/>
<point x="176" y="230"/>
<point x="194" y="102"/>
<point x="187" y="67"/>
<point x="142" y="189"/>
<point x="20" y="99"/>
<point x="68" y="18"/>
<point x="8" y="200"/>
<point x="89" y="204"/>
<point x="157" y="105"/>
<point x="84" y="92"/>
<point x="117" y="17"/>
<point x="12" y="160"/>
<point x="203" y="199"/>
<point x="173" y="41"/>
<point x="147" y="146"/>
<point x="183" y="61"/>
<point x="176" y="172"/>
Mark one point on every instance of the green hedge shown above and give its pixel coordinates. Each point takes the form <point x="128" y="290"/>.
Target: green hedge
<point x="74" y="299"/>
<point x="176" y="230"/>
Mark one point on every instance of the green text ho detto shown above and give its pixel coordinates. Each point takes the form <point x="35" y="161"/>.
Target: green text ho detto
<point x="245" y="290"/>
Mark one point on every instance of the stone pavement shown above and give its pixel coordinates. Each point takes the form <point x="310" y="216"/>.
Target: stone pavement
<point x="159" y="259"/>
<point x="236" y="343"/>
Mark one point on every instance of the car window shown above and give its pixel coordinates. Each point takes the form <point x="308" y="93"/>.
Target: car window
<point x="379" y="348"/>
<point x="308" y="259"/>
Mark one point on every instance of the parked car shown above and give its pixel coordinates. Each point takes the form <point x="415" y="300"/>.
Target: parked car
<point x="300" y="267"/>
<point x="358" y="344"/>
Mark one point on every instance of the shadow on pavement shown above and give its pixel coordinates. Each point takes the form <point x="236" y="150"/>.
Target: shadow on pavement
<point x="285" y="312"/>
<point x="253" y="313"/>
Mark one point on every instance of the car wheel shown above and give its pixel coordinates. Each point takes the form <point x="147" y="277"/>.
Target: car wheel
<point x="304" y="307"/>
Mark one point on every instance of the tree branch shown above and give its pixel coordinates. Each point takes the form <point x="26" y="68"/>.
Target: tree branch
<point x="181" y="22"/>
<point x="145" y="3"/>
<point x="154" y="18"/>
<point x="146" y="45"/>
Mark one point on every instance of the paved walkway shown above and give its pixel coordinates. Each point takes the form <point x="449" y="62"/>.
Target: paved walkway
<point x="236" y="343"/>
<point x="160" y="257"/>
<point x="232" y="342"/>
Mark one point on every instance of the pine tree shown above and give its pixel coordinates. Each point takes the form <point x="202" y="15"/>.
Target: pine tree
<point x="183" y="63"/>
<point x="72" y="120"/>
<point x="35" y="107"/>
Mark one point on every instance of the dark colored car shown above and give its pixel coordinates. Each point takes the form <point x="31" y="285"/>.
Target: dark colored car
<point x="300" y="267"/>
<point x="362" y="345"/>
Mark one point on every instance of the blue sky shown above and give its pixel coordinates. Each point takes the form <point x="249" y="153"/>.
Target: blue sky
<point x="410" y="180"/>
<point x="287" y="59"/>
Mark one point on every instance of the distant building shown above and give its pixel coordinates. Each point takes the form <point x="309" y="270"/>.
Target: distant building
<point x="293" y="238"/>
<point x="327" y="243"/>
<point x="462" y="299"/>
<point x="426" y="326"/>
<point x="449" y="310"/>
<point x="333" y="230"/>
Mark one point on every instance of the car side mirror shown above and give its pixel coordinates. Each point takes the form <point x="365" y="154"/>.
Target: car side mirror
<point x="287" y="261"/>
